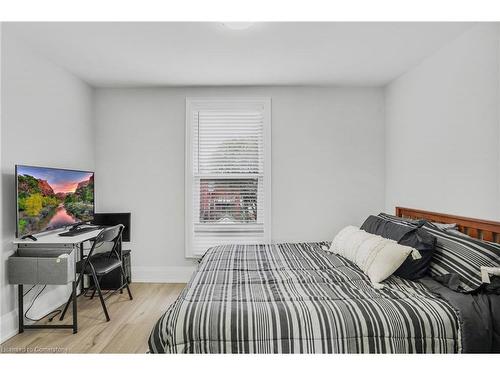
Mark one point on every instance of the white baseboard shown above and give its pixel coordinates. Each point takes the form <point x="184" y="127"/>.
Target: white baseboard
<point x="181" y="274"/>
<point x="8" y="325"/>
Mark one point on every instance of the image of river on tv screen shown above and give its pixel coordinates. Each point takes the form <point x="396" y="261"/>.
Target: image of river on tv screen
<point x="52" y="198"/>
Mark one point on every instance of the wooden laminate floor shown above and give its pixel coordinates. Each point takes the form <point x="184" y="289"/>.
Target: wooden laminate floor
<point x="127" y="332"/>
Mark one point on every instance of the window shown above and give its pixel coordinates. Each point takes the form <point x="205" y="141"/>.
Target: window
<point x="228" y="172"/>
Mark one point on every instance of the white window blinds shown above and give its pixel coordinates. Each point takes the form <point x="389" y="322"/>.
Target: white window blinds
<point x="227" y="173"/>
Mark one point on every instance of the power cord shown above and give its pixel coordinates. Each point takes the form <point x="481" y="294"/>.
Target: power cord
<point x="33" y="302"/>
<point x="29" y="290"/>
<point x="58" y="311"/>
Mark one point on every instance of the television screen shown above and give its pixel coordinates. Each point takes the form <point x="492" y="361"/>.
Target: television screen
<point x="50" y="198"/>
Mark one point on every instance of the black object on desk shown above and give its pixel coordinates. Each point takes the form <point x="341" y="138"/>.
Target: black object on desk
<point x="77" y="231"/>
<point x="29" y="236"/>
<point x="111" y="219"/>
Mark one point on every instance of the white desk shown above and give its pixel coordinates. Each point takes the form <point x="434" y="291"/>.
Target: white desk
<point x="53" y="240"/>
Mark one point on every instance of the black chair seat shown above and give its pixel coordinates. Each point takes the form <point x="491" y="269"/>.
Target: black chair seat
<point x="103" y="264"/>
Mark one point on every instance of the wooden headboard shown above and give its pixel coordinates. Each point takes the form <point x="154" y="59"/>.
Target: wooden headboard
<point x="483" y="229"/>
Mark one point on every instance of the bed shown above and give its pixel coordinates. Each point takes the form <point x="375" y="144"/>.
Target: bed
<point x="301" y="298"/>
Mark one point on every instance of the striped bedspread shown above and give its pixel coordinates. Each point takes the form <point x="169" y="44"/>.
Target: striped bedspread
<point x="299" y="298"/>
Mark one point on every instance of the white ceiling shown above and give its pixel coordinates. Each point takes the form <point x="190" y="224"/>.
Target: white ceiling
<point x="294" y="53"/>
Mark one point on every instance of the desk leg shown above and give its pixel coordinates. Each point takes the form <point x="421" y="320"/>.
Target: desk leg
<point x="75" y="318"/>
<point x="82" y="254"/>
<point x="20" y="297"/>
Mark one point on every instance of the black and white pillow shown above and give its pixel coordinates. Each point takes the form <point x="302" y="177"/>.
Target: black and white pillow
<point x="407" y="235"/>
<point x="457" y="260"/>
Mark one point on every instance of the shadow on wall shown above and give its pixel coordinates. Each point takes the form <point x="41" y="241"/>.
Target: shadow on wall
<point x="8" y="214"/>
<point x="8" y="210"/>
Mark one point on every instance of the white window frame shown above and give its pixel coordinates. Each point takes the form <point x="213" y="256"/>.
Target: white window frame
<point x="196" y="104"/>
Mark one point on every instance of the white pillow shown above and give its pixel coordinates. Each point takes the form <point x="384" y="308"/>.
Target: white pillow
<point x="378" y="257"/>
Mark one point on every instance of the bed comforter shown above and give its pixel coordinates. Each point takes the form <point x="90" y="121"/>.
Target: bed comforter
<point x="300" y="298"/>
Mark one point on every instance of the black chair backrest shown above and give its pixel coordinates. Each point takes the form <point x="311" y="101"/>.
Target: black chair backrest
<point x="111" y="235"/>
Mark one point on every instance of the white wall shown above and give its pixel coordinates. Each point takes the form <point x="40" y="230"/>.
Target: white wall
<point x="327" y="165"/>
<point x="442" y="130"/>
<point x="46" y="120"/>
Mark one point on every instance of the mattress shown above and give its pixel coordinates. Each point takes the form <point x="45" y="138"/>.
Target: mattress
<point x="300" y="298"/>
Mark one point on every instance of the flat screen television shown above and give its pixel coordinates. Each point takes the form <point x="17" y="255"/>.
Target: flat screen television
<point x="51" y="198"/>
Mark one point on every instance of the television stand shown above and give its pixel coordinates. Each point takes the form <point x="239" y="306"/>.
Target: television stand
<point x="77" y="231"/>
<point x="29" y="236"/>
<point x="76" y="226"/>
